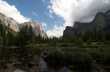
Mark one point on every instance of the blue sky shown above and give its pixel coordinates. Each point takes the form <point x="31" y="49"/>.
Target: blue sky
<point x="37" y="10"/>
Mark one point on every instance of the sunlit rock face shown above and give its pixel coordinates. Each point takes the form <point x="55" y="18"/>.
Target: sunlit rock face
<point x="11" y="23"/>
<point x="36" y="28"/>
<point x="15" y="26"/>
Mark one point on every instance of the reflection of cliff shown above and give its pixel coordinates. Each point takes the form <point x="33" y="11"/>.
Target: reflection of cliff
<point x="101" y="23"/>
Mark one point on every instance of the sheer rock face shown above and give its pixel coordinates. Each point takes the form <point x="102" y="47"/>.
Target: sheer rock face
<point x="107" y="28"/>
<point x="11" y="23"/>
<point x="15" y="26"/>
<point x="36" y="28"/>
<point x="101" y="23"/>
<point x="69" y="31"/>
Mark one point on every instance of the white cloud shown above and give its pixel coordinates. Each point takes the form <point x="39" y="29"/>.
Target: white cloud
<point x="77" y="10"/>
<point x="57" y="31"/>
<point x="62" y="8"/>
<point x="12" y="11"/>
